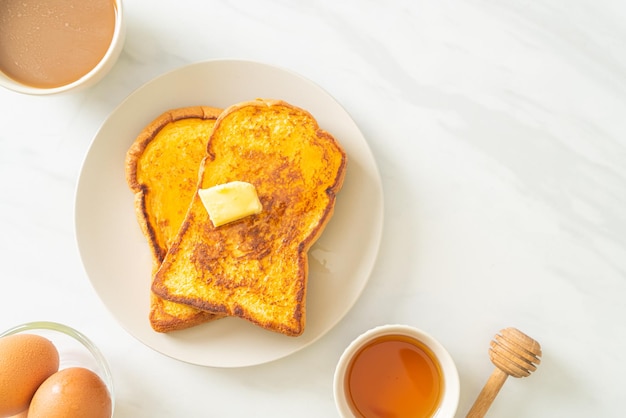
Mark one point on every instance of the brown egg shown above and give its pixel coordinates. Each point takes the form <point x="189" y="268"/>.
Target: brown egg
<point x="72" y="393"/>
<point x="23" y="414"/>
<point x="26" y="360"/>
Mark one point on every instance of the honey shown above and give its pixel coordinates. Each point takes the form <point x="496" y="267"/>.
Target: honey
<point x="51" y="43"/>
<point x="394" y="376"/>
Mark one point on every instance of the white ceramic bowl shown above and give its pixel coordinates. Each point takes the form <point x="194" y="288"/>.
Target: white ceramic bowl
<point x="75" y="349"/>
<point x="92" y="77"/>
<point x="451" y="388"/>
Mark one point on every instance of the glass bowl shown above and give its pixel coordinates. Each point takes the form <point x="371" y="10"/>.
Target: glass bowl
<point x="75" y="349"/>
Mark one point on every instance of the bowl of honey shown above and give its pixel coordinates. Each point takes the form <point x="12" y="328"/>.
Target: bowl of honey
<point x="53" y="46"/>
<point x="396" y="371"/>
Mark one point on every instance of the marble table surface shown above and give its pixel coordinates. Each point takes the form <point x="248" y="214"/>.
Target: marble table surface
<point x="499" y="130"/>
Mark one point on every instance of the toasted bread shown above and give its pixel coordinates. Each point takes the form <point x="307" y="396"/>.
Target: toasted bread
<point x="162" y="170"/>
<point x="256" y="268"/>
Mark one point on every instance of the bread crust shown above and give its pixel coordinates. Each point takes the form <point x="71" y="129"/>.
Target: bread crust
<point x="165" y="316"/>
<point x="257" y="268"/>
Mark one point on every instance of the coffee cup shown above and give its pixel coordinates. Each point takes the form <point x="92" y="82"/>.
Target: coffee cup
<point x="54" y="47"/>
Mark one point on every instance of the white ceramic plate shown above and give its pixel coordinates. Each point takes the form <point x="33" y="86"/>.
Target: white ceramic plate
<point x="115" y="253"/>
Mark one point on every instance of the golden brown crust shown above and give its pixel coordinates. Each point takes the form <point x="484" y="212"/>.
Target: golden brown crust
<point x="148" y="133"/>
<point x="166" y="316"/>
<point x="146" y="164"/>
<point x="257" y="268"/>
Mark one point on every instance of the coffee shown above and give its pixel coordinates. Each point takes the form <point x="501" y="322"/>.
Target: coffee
<point x="51" y="43"/>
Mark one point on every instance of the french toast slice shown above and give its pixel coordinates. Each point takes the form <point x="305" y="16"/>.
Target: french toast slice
<point x="162" y="170"/>
<point x="256" y="268"/>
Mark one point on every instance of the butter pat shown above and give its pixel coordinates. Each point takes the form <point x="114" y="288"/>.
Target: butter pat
<point x="230" y="201"/>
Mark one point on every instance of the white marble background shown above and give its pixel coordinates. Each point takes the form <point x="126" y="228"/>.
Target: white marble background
<point x="499" y="128"/>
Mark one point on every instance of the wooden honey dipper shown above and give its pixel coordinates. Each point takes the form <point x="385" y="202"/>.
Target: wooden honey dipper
<point x="514" y="354"/>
